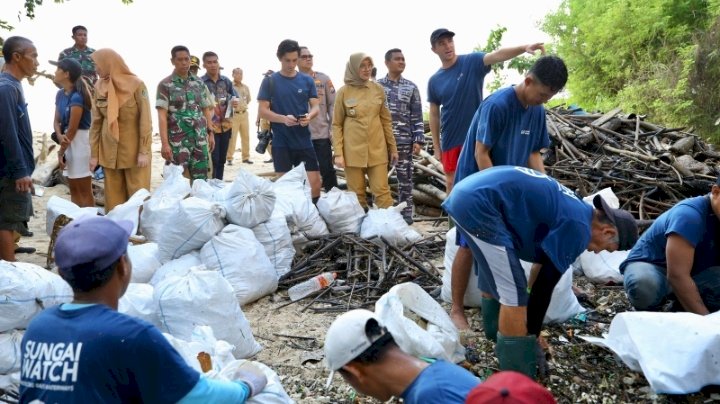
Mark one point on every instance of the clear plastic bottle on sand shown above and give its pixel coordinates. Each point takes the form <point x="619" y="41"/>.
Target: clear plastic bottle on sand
<point x="313" y="284"/>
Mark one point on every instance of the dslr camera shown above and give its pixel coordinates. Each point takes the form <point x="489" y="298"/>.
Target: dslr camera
<point x="264" y="138"/>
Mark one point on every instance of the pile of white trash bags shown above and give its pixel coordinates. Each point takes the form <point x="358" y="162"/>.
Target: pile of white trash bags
<point x="25" y="290"/>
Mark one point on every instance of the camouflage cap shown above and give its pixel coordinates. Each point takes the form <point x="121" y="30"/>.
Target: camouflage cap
<point x="194" y="61"/>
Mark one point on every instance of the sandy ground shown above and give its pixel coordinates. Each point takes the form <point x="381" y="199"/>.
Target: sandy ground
<point x="298" y="361"/>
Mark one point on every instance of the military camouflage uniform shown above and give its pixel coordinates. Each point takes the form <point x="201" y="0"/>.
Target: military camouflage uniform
<point x="405" y="106"/>
<point x="185" y="100"/>
<point x="82" y="56"/>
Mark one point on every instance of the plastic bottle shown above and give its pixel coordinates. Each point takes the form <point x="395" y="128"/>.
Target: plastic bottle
<point x="314" y="284"/>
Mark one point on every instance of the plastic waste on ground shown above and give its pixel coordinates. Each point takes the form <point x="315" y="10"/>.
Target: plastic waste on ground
<point x="311" y="285"/>
<point x="677" y="352"/>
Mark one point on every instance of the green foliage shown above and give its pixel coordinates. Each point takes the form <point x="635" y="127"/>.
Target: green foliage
<point x="521" y="63"/>
<point x="640" y="56"/>
<point x="30" y="6"/>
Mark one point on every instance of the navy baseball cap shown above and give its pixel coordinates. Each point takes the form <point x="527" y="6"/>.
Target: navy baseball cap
<point x="624" y="223"/>
<point x="92" y="241"/>
<point x="439" y="33"/>
<point x="71" y="66"/>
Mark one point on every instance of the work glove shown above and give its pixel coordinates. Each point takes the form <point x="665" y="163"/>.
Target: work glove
<point x="251" y="375"/>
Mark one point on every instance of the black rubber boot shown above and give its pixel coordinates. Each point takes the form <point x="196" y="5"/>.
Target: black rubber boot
<point x="517" y="353"/>
<point x="490" y="315"/>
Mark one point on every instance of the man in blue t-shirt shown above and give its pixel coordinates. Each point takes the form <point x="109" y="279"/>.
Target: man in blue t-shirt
<point x="508" y="129"/>
<point x="509" y="213"/>
<point x="289" y="100"/>
<point x="457" y="87"/>
<point x="678" y="255"/>
<point x="16" y="158"/>
<point x="87" y="352"/>
<point x="365" y="354"/>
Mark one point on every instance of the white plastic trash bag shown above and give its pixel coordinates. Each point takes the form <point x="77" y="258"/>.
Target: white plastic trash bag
<point x="177" y="267"/>
<point x="157" y="211"/>
<point x="472" y="293"/>
<point x="203" y="340"/>
<point x="57" y="206"/>
<point x="174" y="184"/>
<point x="292" y="192"/>
<point x="564" y="304"/>
<point x="25" y="290"/>
<point x="204" y="297"/>
<point x="603" y="267"/>
<point x="209" y="190"/>
<point x="10" y="358"/>
<point x="250" y="200"/>
<point x="242" y="260"/>
<point x="145" y="261"/>
<point x="341" y="210"/>
<point x="138" y="302"/>
<point x="130" y="210"/>
<point x="677" y="352"/>
<point x="608" y="195"/>
<point x="274" y="235"/>
<point x="389" y="224"/>
<point x="273" y="393"/>
<point x="196" y="222"/>
<point x="439" y="340"/>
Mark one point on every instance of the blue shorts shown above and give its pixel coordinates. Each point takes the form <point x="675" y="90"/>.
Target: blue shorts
<point x="285" y="158"/>
<point x="499" y="270"/>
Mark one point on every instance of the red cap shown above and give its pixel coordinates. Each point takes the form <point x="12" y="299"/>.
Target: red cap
<point x="509" y="387"/>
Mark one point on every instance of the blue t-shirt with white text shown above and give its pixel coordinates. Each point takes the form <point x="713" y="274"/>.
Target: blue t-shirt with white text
<point x="522" y="209"/>
<point x="289" y="96"/>
<point x="511" y="131"/>
<point x="97" y="355"/>
<point x="458" y="91"/>
<point x="692" y="219"/>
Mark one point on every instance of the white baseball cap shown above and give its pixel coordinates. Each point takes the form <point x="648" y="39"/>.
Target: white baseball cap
<point x="347" y="338"/>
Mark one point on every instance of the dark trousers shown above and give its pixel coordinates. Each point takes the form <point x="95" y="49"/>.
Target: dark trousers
<point x="323" y="151"/>
<point x="222" y="141"/>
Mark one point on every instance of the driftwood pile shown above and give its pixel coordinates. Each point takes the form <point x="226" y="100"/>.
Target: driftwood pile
<point x="365" y="268"/>
<point x="649" y="167"/>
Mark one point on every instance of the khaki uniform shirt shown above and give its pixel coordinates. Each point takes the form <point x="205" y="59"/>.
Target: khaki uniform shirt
<point x="135" y="124"/>
<point x="362" y="126"/>
<point x="243" y="92"/>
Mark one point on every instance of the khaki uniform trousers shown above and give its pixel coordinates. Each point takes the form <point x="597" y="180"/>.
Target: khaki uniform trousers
<point x="377" y="177"/>
<point x="240" y="123"/>
<point x="121" y="184"/>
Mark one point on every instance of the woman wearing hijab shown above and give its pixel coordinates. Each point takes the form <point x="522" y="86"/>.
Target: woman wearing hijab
<point x="362" y="132"/>
<point x="71" y="124"/>
<point x="121" y="132"/>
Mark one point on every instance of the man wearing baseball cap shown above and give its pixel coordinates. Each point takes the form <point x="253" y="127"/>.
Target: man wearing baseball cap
<point x="365" y="354"/>
<point x="507" y="214"/>
<point x="509" y="388"/>
<point x="85" y="351"/>
<point x="457" y="87"/>
<point x="678" y="258"/>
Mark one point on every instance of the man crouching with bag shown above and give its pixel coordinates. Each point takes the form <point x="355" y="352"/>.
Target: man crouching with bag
<point x="85" y="351"/>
